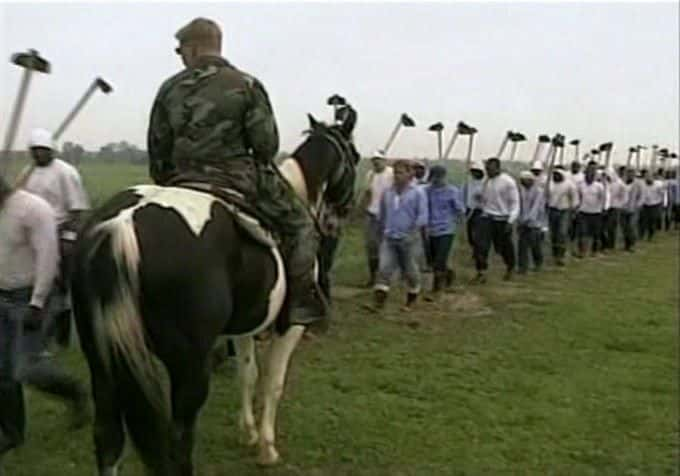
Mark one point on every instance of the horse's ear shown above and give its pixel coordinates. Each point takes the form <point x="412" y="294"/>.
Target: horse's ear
<point x="312" y="122"/>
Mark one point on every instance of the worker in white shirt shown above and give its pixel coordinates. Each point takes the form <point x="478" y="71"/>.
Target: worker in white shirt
<point x="616" y="200"/>
<point x="500" y="202"/>
<point x="537" y="170"/>
<point x="60" y="185"/>
<point x="630" y="212"/>
<point x="378" y="179"/>
<point x="653" y="194"/>
<point x="674" y="198"/>
<point x="662" y="189"/>
<point x="29" y="260"/>
<point x="591" y="205"/>
<point x="577" y="177"/>
<point x="562" y="198"/>
<point x="532" y="208"/>
<point x="472" y="195"/>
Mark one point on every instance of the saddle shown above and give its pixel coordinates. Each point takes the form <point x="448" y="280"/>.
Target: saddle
<point x="245" y="215"/>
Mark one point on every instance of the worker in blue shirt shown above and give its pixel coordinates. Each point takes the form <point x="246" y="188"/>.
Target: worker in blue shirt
<point x="445" y="210"/>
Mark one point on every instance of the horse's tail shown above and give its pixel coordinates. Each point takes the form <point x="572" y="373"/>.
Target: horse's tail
<point x="108" y="265"/>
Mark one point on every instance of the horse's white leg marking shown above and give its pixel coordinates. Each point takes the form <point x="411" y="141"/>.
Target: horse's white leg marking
<point x="282" y="348"/>
<point x="247" y="371"/>
<point x="111" y="470"/>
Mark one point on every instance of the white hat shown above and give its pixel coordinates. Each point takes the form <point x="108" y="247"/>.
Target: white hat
<point x="378" y="154"/>
<point x="41" y="138"/>
<point x="559" y="171"/>
<point x="476" y="166"/>
<point x="537" y="165"/>
<point x="525" y="174"/>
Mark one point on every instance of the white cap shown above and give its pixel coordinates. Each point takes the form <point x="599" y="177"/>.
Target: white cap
<point x="559" y="171"/>
<point x="537" y="165"/>
<point x="41" y="138"/>
<point x="476" y="166"/>
<point x="525" y="174"/>
<point x="378" y="154"/>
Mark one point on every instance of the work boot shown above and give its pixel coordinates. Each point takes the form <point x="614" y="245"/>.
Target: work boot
<point x="410" y="301"/>
<point x="437" y="285"/>
<point x="308" y="305"/>
<point x="373" y="271"/>
<point x="449" y="278"/>
<point x="379" y="298"/>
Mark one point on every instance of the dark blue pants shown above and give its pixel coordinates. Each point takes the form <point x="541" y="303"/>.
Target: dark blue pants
<point x="22" y="362"/>
<point x="558" y="224"/>
<point x="529" y="241"/>
<point x="440" y="250"/>
<point x="498" y="233"/>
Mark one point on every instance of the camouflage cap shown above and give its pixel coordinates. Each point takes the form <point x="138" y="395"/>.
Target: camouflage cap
<point x="202" y="31"/>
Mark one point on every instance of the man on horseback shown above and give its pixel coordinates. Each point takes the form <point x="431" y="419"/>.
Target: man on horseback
<point x="213" y="124"/>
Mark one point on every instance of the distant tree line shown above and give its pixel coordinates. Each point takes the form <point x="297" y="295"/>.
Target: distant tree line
<point x="121" y="151"/>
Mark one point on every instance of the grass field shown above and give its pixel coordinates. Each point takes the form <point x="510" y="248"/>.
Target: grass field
<point x="569" y="372"/>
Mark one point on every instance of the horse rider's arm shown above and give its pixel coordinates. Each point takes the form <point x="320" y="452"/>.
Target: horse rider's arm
<point x="260" y="124"/>
<point x="159" y="142"/>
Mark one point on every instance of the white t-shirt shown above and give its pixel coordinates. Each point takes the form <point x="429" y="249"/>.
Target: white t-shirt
<point x="591" y="197"/>
<point x="29" y="250"/>
<point x="60" y="185"/>
<point x="377" y="183"/>
<point x="654" y="194"/>
<point x="500" y="198"/>
<point x="618" y="195"/>
<point x="577" y="178"/>
<point x="563" y="195"/>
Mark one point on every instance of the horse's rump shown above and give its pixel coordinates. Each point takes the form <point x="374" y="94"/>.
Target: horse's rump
<point x="199" y="256"/>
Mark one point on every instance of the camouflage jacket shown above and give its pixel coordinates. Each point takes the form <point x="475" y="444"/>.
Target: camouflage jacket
<point x="211" y="115"/>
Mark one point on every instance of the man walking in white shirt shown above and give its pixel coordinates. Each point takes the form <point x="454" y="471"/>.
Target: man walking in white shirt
<point x="653" y="194"/>
<point x="472" y="195"/>
<point x="60" y="185"/>
<point x="28" y="260"/>
<point x="378" y="179"/>
<point x="532" y="205"/>
<point x="617" y="198"/>
<point x="591" y="205"/>
<point x="500" y="202"/>
<point x="562" y="198"/>
<point x="577" y="177"/>
<point x="631" y="210"/>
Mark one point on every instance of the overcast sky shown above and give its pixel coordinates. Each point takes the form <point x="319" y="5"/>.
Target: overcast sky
<point x="598" y="72"/>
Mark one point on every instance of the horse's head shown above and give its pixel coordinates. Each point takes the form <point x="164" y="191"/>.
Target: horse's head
<point x="328" y="160"/>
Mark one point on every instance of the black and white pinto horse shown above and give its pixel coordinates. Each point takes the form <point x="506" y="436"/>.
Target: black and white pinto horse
<point x="159" y="274"/>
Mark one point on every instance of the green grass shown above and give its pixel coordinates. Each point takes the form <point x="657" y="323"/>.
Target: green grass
<point x="567" y="372"/>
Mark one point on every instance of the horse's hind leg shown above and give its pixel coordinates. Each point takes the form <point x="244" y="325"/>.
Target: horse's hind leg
<point x="281" y="349"/>
<point x="109" y="434"/>
<point x="189" y="392"/>
<point x="247" y="371"/>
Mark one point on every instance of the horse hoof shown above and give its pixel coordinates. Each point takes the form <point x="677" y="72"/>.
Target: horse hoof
<point x="249" y="435"/>
<point x="268" y="455"/>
